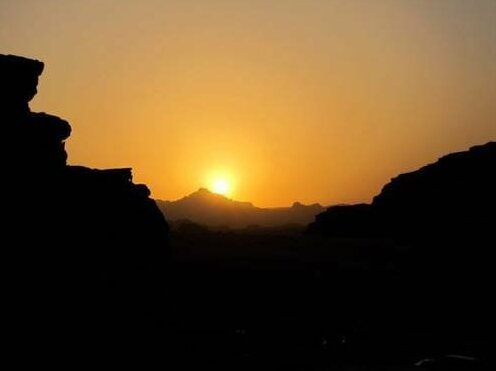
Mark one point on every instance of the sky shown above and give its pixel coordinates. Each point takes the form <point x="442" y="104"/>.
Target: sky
<point x="285" y="100"/>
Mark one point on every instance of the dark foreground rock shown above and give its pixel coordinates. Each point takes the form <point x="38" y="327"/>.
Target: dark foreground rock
<point x="441" y="221"/>
<point x="84" y="250"/>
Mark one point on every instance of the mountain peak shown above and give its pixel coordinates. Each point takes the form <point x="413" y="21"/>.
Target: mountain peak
<point x="206" y="207"/>
<point x="204" y="194"/>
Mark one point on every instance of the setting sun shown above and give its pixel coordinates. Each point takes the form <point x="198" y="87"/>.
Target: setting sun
<point x="259" y="95"/>
<point x="221" y="186"/>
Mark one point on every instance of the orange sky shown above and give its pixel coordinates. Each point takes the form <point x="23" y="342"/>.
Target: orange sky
<point x="295" y="100"/>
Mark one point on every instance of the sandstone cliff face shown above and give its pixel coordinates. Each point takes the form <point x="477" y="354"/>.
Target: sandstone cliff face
<point x="85" y="250"/>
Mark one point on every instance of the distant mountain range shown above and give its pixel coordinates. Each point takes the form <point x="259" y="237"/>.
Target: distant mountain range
<point x="215" y="210"/>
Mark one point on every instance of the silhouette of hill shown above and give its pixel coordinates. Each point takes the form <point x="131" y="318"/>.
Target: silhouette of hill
<point x="215" y="210"/>
<point x="84" y="249"/>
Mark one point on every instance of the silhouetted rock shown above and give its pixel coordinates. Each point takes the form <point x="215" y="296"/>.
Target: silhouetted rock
<point x="456" y="191"/>
<point x="19" y="78"/>
<point x="215" y="210"/>
<point x="85" y="249"/>
<point x="440" y="220"/>
<point x="32" y="141"/>
<point x="453" y="196"/>
<point x="345" y="221"/>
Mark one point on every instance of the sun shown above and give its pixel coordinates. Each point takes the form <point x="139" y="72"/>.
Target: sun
<point x="221" y="186"/>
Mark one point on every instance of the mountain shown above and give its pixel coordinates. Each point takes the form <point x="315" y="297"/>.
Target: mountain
<point x="211" y="209"/>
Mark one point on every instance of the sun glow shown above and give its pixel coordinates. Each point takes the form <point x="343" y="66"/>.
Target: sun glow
<point x="221" y="186"/>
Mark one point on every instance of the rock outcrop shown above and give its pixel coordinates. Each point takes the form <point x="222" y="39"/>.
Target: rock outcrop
<point x="439" y="225"/>
<point x="85" y="250"/>
<point x="452" y="197"/>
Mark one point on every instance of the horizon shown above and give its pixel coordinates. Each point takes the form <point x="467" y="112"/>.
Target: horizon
<point x="275" y="102"/>
<point x="229" y="198"/>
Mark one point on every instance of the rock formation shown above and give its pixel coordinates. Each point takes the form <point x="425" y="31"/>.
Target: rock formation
<point x="452" y="197"/>
<point x="441" y="222"/>
<point x="84" y="249"/>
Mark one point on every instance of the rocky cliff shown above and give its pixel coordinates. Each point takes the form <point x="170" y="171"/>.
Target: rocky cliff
<point x="451" y="197"/>
<point x="439" y="223"/>
<point x="84" y="249"/>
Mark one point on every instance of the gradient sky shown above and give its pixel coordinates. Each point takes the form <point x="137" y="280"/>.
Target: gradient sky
<point x="309" y="100"/>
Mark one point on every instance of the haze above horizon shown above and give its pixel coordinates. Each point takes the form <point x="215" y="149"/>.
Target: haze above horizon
<point x="272" y="101"/>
